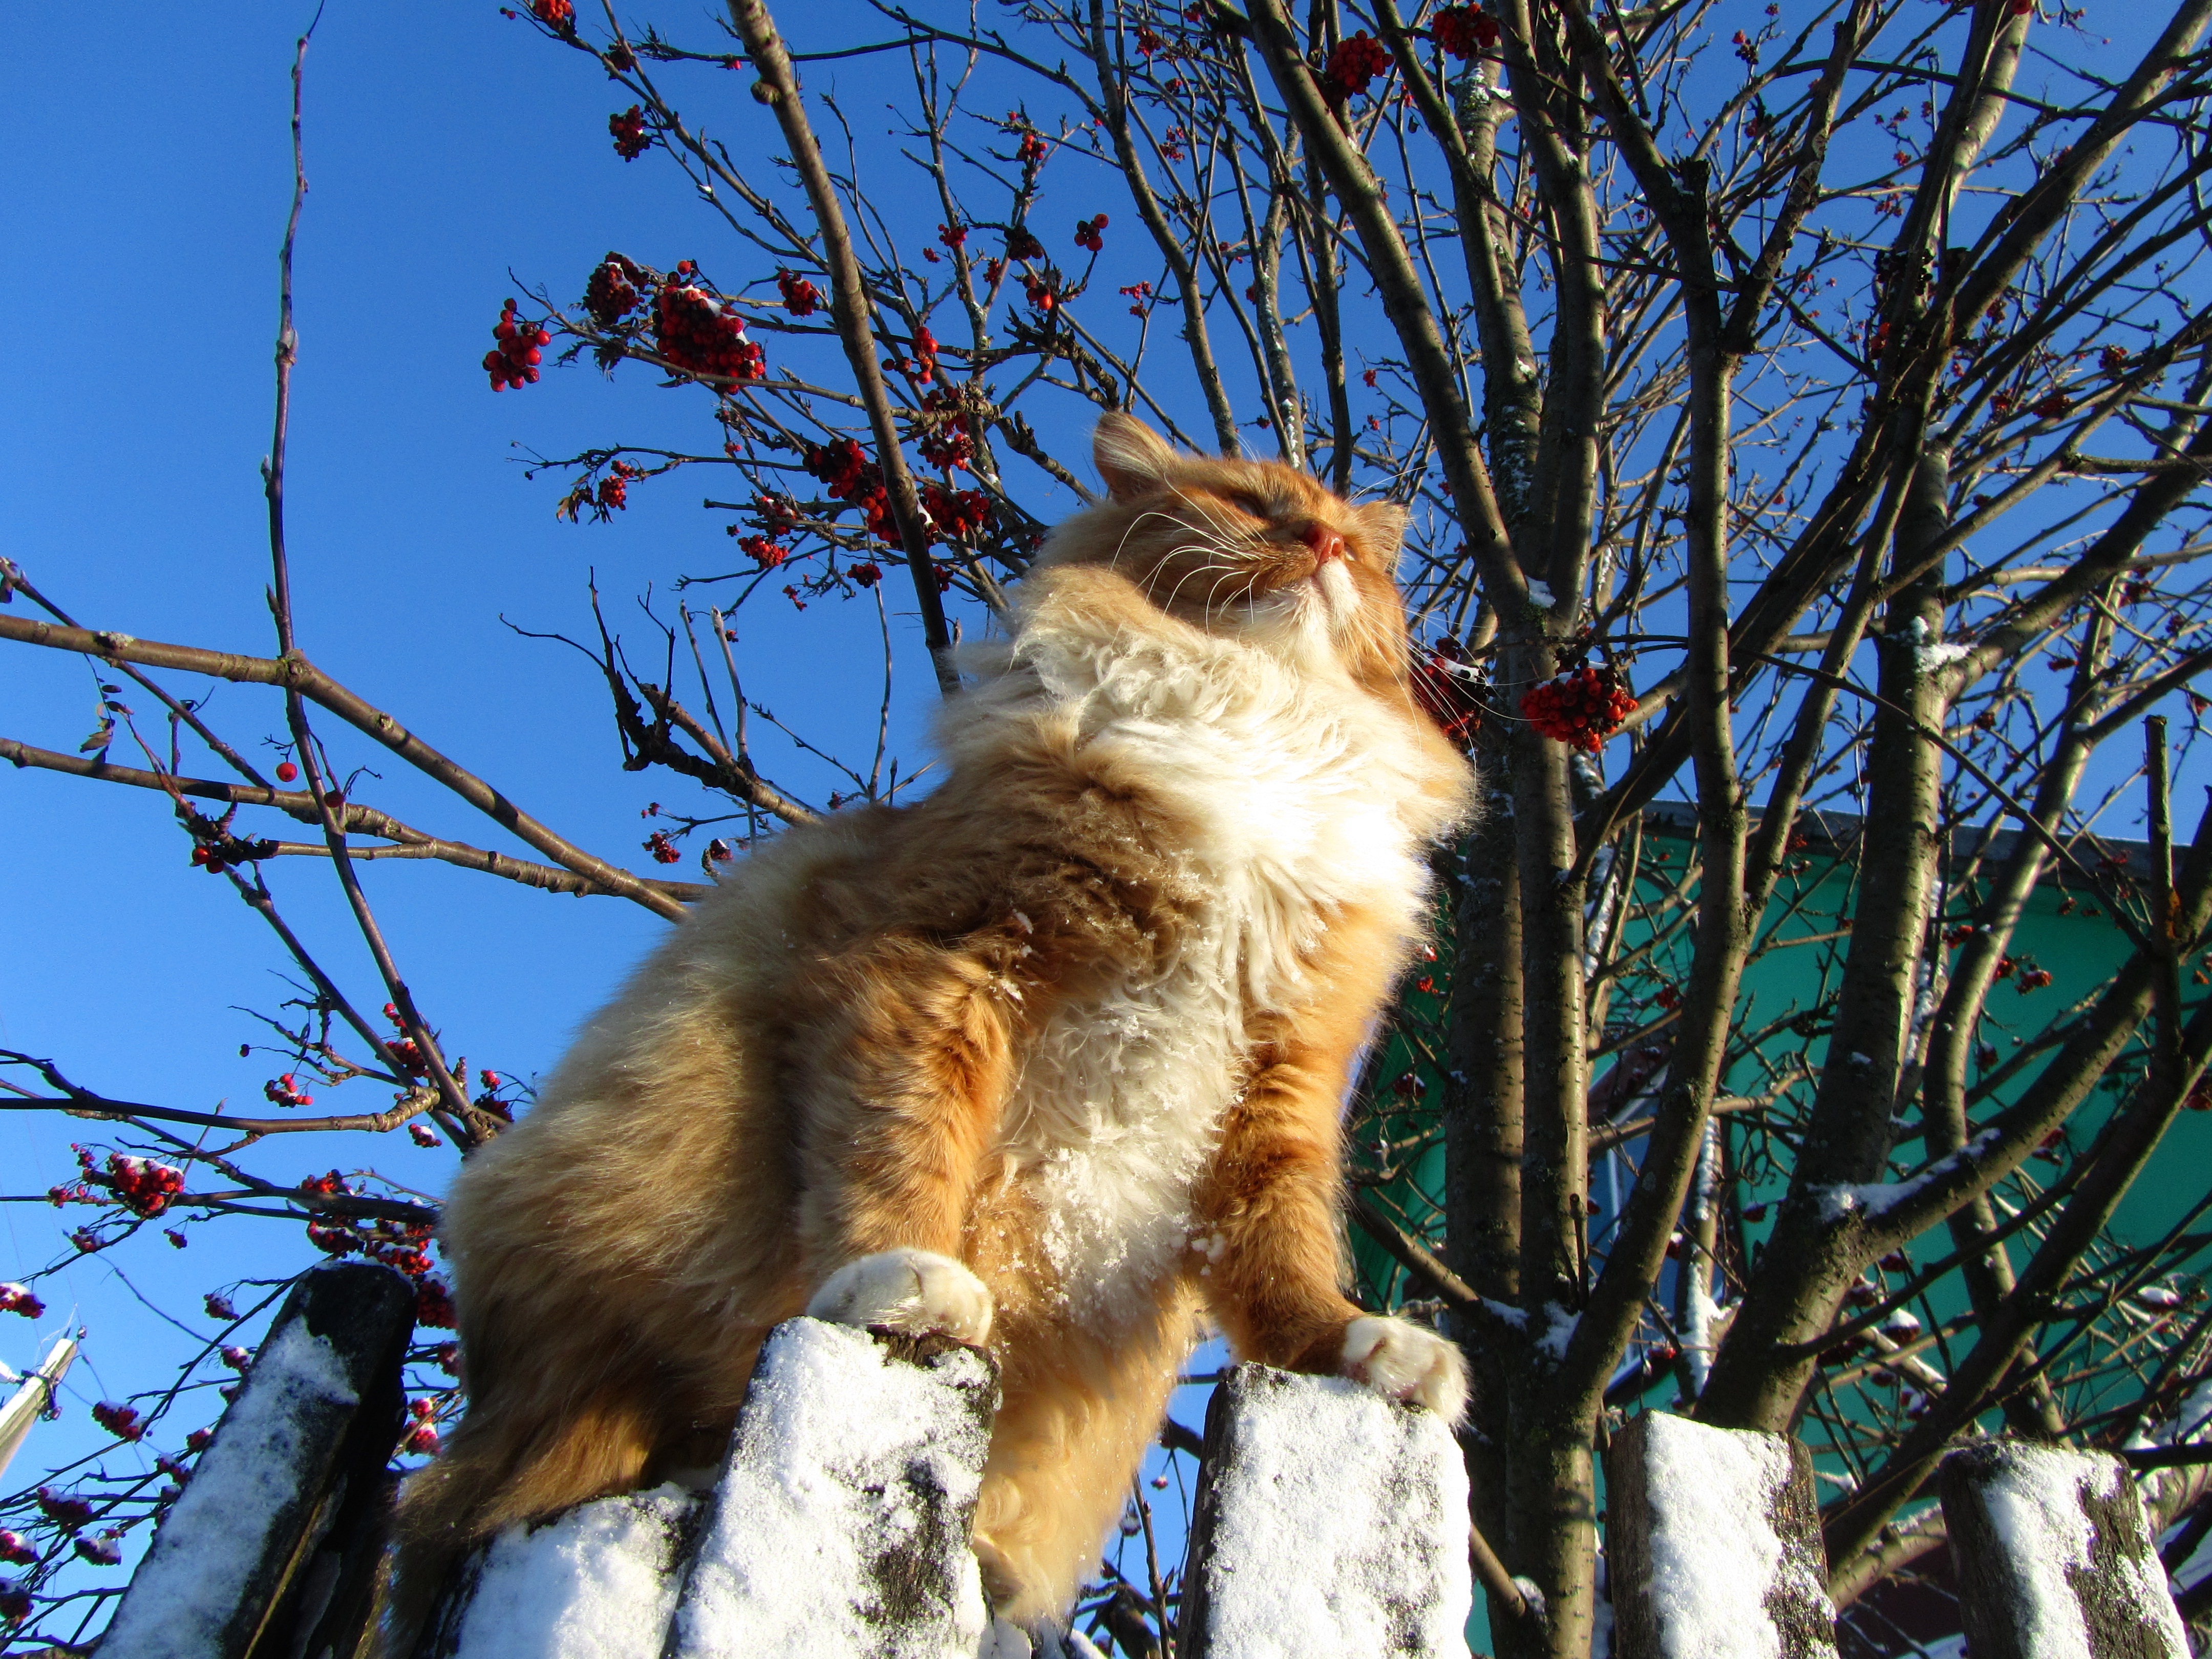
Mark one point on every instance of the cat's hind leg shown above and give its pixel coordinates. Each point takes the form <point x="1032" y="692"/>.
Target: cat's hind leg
<point x="1080" y="1406"/>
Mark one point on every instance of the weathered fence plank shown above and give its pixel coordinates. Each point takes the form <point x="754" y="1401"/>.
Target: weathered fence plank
<point x="2055" y="1559"/>
<point x="1713" y="1545"/>
<point x="597" y="1582"/>
<point x="1332" y="1524"/>
<point x="840" y="1529"/>
<point x="267" y="1553"/>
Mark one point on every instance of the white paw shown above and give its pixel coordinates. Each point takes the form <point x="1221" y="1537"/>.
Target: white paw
<point x="917" y="1291"/>
<point x="1405" y="1362"/>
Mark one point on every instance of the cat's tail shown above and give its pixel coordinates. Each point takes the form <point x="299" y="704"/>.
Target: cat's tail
<point x="501" y="1467"/>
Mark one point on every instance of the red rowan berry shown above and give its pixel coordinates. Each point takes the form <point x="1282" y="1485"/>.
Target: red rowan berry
<point x="104" y="1551"/>
<point x="699" y="334"/>
<point x="800" y="297"/>
<point x="1581" y="709"/>
<point x="286" y="772"/>
<point x="65" y="1509"/>
<point x="1354" y="63"/>
<point x="18" y="1300"/>
<point x="1462" y="31"/>
<point x="627" y="128"/>
<point x="514" y="361"/>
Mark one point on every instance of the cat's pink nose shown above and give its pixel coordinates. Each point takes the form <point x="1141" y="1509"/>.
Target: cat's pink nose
<point x="1327" y="544"/>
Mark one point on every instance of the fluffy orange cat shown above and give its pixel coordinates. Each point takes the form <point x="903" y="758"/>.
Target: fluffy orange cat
<point x="1051" y="1061"/>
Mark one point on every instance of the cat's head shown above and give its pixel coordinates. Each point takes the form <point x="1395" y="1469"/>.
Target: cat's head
<point x="1254" y="550"/>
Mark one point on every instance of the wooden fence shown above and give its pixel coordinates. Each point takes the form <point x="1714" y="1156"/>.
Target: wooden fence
<point x="1330" y="1525"/>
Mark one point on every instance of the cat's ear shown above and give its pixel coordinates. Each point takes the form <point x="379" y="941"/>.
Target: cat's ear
<point x="1383" y="528"/>
<point x="1133" y="458"/>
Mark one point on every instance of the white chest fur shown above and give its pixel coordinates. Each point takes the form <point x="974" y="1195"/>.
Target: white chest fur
<point x="1294" y="799"/>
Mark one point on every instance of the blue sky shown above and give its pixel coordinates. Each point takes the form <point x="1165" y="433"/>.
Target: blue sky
<point x="147" y="187"/>
<point x="454" y="156"/>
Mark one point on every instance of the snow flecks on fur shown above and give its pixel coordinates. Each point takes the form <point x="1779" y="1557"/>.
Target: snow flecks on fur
<point x="1716" y="1558"/>
<point x="1334" y="1524"/>
<point x="190" y="1584"/>
<point x="597" y="1582"/>
<point x="840" y="1526"/>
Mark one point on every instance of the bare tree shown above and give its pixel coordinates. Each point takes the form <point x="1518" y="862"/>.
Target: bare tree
<point x="1805" y="435"/>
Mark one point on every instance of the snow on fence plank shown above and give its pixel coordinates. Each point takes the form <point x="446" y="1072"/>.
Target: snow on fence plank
<point x="840" y="1526"/>
<point x="2055" y="1560"/>
<point x="1713" y="1545"/>
<point x="596" y="1582"/>
<point x="271" y="1549"/>
<point x="1332" y="1523"/>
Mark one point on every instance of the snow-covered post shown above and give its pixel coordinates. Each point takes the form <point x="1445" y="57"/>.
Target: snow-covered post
<point x="1713" y="1545"/>
<point x="271" y="1550"/>
<point x="2055" y="1560"/>
<point x="1332" y="1524"/>
<point x="598" y="1582"/>
<point x="840" y="1529"/>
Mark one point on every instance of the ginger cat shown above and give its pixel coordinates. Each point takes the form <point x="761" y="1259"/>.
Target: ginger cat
<point x="1051" y="1060"/>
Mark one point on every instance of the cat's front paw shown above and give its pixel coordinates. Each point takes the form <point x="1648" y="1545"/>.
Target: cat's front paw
<point x="917" y="1291"/>
<point x="1405" y="1362"/>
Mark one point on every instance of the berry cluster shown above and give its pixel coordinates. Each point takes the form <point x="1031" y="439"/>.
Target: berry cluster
<point x="144" y="1186"/>
<point x="775" y="516"/>
<point x="942" y="433"/>
<point x="1354" y="63"/>
<point x="121" y="1421"/>
<point x="18" y="1300"/>
<point x="1023" y="245"/>
<point x="631" y="139"/>
<point x="866" y="573"/>
<point x="765" y="553"/>
<point x="285" y="1091"/>
<point x="434" y="1305"/>
<point x="922" y="366"/>
<point x="851" y="474"/>
<point x="1086" y="232"/>
<point x="614" y="488"/>
<point x="698" y="334"/>
<point x="800" y="297"/>
<point x="663" y="850"/>
<point x="514" y="361"/>
<point x="1039" y="289"/>
<point x="1581" y="708"/>
<point x="555" y="14"/>
<point x="953" y="236"/>
<point x="64" y="1509"/>
<point x="15" y="1602"/>
<point x="1462" y="31"/>
<point x="610" y="294"/>
<point x="1030" y="152"/>
<point x="423" y="1436"/>
<point x="1449" y="692"/>
<point x="17" y="1548"/>
<point x="954" y="514"/>
<point x="104" y="1551"/>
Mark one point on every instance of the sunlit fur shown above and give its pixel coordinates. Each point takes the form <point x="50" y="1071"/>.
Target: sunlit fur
<point x="1082" y="1018"/>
